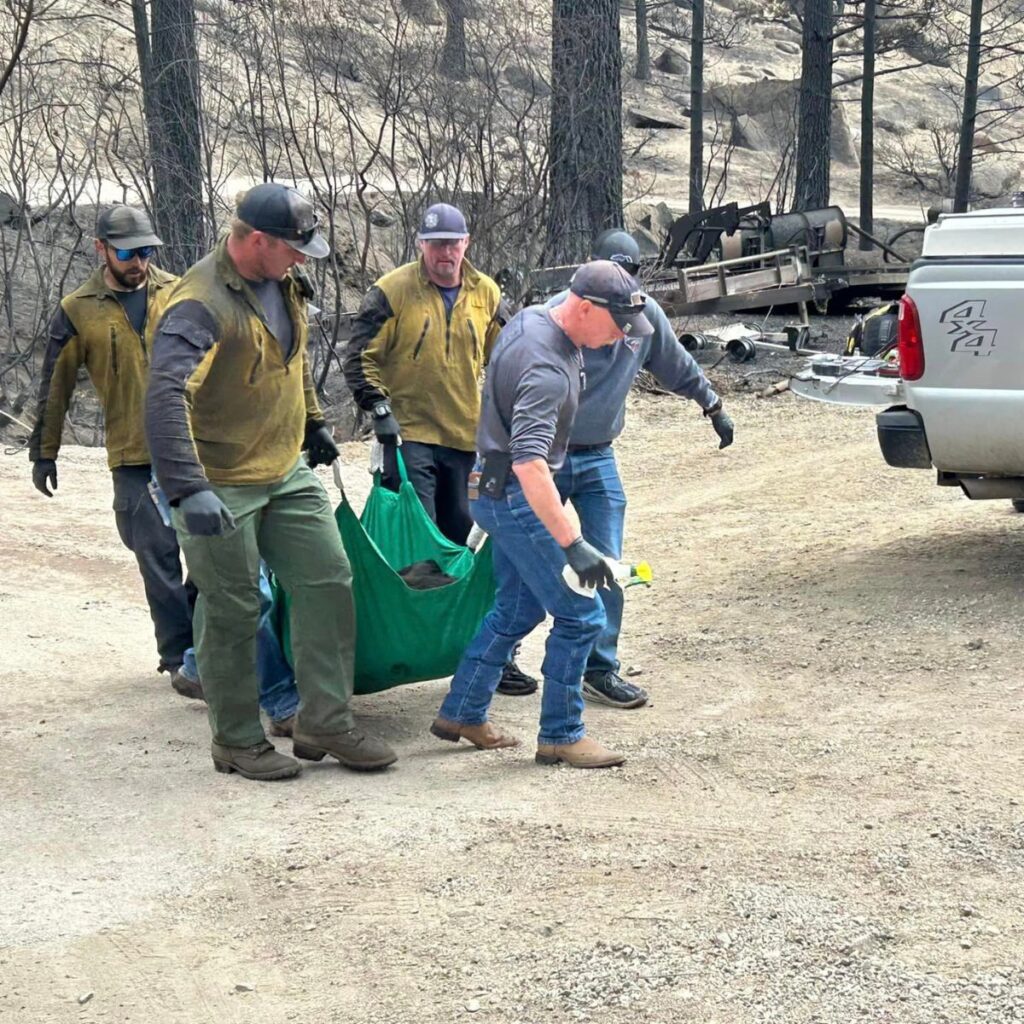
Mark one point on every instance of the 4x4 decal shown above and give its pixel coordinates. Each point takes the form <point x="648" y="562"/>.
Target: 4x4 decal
<point x="967" y="328"/>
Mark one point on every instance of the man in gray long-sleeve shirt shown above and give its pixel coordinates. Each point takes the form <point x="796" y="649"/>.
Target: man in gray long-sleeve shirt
<point x="530" y="398"/>
<point x="589" y="477"/>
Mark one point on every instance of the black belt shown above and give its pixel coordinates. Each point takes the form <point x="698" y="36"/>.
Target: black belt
<point x="588" y="447"/>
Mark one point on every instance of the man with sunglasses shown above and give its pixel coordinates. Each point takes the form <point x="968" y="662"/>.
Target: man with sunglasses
<point x="231" y="405"/>
<point x="107" y="326"/>
<point x="589" y="476"/>
<point x="419" y="345"/>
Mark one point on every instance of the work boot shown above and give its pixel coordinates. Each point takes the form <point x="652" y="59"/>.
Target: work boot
<point x="606" y="687"/>
<point x="282" y="726"/>
<point x="483" y="737"/>
<point x="514" y="681"/>
<point x="261" y="762"/>
<point x="186" y="685"/>
<point x="584" y="753"/>
<point x="352" y="748"/>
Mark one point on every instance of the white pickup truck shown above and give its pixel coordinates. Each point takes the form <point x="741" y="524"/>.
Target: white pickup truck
<point x="955" y="392"/>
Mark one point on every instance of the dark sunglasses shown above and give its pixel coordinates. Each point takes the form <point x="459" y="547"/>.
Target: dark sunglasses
<point x="144" y="252"/>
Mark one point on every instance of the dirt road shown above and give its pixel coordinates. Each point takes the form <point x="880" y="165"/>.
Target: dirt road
<point x="820" y="819"/>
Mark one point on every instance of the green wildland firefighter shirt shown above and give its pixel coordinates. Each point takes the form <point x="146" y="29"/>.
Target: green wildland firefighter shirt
<point x="92" y="329"/>
<point x="225" y="406"/>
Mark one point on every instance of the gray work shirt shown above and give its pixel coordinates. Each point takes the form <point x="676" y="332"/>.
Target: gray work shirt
<point x="278" y="320"/>
<point x="135" y="305"/>
<point x="531" y="391"/>
<point x="611" y="371"/>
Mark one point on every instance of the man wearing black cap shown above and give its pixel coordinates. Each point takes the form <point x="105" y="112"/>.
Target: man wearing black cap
<point x="231" y="404"/>
<point x="589" y="477"/>
<point x="107" y="326"/>
<point x="530" y="399"/>
<point x="419" y="345"/>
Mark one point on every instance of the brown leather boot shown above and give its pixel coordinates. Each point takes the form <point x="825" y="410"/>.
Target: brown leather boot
<point x="353" y="748"/>
<point x="260" y="762"/>
<point x="584" y="753"/>
<point x="282" y="726"/>
<point x="483" y="737"/>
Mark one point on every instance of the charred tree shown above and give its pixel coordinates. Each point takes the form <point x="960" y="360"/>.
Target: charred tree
<point x="965" y="149"/>
<point x="165" y="37"/>
<point x="643" y="46"/>
<point x="697" y="108"/>
<point x="867" y="127"/>
<point x="814" y="117"/>
<point x="586" y="126"/>
<point x="453" y="56"/>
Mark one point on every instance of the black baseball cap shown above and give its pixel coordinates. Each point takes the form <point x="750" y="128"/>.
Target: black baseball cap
<point x="442" y="221"/>
<point x="286" y="214"/>
<point x="618" y="246"/>
<point x="606" y="284"/>
<point x="124" y="227"/>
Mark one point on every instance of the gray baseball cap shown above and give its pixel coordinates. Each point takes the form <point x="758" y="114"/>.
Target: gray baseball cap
<point x="442" y="221"/>
<point x="618" y="246"/>
<point x="285" y="213"/>
<point x="124" y="227"/>
<point x="606" y="284"/>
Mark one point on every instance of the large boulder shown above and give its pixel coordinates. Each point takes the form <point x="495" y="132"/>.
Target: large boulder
<point x="650" y="115"/>
<point x="672" y="62"/>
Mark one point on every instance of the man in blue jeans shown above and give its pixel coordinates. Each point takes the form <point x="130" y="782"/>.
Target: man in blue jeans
<point x="279" y="696"/>
<point x="530" y="398"/>
<point x="589" y="477"/>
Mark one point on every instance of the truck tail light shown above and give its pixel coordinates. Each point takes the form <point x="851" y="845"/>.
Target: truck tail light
<point x="909" y="342"/>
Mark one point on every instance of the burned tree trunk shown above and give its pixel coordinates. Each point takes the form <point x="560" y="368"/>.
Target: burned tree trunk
<point x="169" y="67"/>
<point x="697" y="108"/>
<point x="965" y="149"/>
<point x="453" y="56"/>
<point x="586" y="126"/>
<point x="814" y="124"/>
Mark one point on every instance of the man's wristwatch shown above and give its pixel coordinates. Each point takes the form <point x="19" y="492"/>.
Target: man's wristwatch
<point x="381" y="409"/>
<point x="715" y="409"/>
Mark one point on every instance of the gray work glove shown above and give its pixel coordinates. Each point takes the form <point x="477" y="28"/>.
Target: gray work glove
<point x="320" y="445"/>
<point x="385" y="426"/>
<point x="44" y="471"/>
<point x="589" y="565"/>
<point x="206" y="515"/>
<point x="722" y="422"/>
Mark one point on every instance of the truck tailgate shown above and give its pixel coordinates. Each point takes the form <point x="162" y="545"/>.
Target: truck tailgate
<point x="971" y="395"/>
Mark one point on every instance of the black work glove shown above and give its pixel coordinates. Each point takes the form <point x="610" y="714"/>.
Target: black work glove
<point x="385" y="426"/>
<point x="722" y="423"/>
<point x="206" y="515"/>
<point x="589" y="565"/>
<point x="320" y="444"/>
<point x="44" y="471"/>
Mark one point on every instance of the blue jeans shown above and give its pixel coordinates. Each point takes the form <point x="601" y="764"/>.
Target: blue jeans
<point x="590" y="480"/>
<point x="528" y="566"/>
<point x="279" y="697"/>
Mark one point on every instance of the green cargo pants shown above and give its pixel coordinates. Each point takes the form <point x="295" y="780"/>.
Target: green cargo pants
<point x="289" y="524"/>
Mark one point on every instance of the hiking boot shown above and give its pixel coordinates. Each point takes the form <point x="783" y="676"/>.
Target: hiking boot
<point x="186" y="685"/>
<point x="611" y="689"/>
<point x="282" y="726"/>
<point x="584" y="753"/>
<point x="261" y="762"/>
<point x="515" y="682"/>
<point x="483" y="737"/>
<point x="352" y="748"/>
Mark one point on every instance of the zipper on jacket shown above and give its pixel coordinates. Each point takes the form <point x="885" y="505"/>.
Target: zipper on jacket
<point x="472" y="331"/>
<point x="423" y="335"/>
<point x="113" y="349"/>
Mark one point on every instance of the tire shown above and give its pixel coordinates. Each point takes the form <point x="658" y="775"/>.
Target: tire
<point x="1018" y="504"/>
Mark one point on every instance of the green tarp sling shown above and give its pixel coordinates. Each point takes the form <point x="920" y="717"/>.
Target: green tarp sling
<point x="404" y="635"/>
